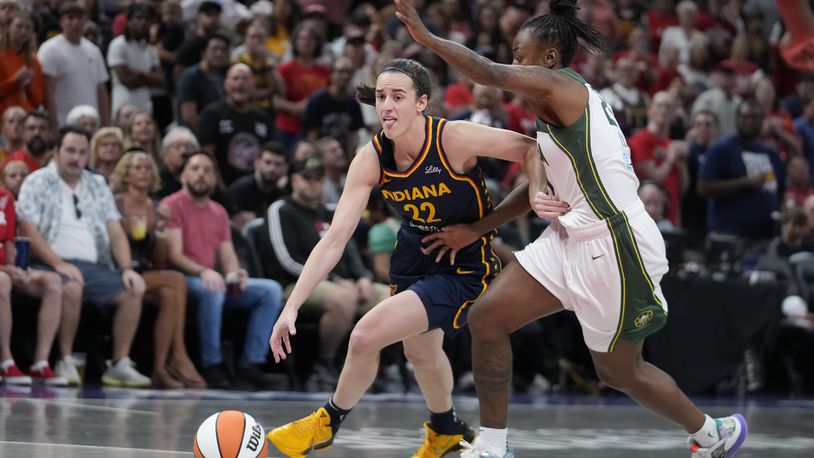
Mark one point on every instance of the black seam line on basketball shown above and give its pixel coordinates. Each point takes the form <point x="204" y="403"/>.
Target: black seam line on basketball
<point x="590" y="157"/>
<point x="240" y="446"/>
<point x="573" y="161"/>
<point x="641" y="264"/>
<point x="623" y="303"/>
<point x="217" y="436"/>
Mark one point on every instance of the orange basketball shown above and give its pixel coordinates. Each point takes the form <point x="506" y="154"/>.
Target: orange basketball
<point x="230" y="433"/>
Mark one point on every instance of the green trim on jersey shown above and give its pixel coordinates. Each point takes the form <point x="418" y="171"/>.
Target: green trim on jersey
<point x="642" y="312"/>
<point x="575" y="142"/>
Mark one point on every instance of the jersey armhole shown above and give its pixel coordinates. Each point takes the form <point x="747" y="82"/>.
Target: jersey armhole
<point x="377" y="146"/>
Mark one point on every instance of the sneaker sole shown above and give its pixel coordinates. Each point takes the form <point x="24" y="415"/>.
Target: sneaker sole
<point x="112" y="382"/>
<point x="741" y="438"/>
<point x="291" y="453"/>
<point x="18" y="380"/>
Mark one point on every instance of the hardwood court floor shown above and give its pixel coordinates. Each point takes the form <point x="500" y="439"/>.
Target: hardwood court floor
<point x="141" y="423"/>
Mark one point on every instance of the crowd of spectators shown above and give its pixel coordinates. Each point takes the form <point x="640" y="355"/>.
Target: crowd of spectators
<point x="145" y="142"/>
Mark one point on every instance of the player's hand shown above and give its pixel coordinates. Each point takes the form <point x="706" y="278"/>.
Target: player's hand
<point x="280" y="342"/>
<point x="546" y="207"/>
<point x="406" y="12"/>
<point x="451" y="239"/>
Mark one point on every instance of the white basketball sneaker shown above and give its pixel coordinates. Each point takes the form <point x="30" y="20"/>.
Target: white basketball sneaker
<point x="732" y="433"/>
<point x="474" y="450"/>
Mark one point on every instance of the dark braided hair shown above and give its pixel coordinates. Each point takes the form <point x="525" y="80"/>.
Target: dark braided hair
<point x="563" y="30"/>
<point x="413" y="69"/>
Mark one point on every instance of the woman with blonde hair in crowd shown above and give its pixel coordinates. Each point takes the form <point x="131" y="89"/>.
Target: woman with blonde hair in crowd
<point x="106" y="148"/>
<point x="21" y="80"/>
<point x="142" y="133"/>
<point x="12" y="175"/>
<point x="134" y="180"/>
<point x="12" y="130"/>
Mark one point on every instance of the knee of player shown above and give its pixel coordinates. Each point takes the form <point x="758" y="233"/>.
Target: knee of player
<point x="363" y="340"/>
<point x="483" y="323"/>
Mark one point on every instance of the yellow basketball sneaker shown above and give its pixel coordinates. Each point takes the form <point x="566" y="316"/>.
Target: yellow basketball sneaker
<point x="300" y="437"/>
<point x="437" y="445"/>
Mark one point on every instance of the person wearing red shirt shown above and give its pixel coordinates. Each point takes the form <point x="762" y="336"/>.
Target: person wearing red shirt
<point x="657" y="158"/>
<point x="302" y="76"/>
<point x="37" y="137"/>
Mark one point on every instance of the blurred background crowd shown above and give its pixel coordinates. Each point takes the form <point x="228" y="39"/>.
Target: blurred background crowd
<point x="237" y="119"/>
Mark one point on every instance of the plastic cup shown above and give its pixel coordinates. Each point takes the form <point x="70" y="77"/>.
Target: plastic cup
<point x="23" y="245"/>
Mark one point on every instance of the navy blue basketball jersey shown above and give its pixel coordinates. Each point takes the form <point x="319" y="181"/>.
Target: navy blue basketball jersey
<point x="429" y="194"/>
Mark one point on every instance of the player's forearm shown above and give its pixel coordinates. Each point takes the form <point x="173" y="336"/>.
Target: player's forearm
<point x="513" y="206"/>
<point x="478" y="68"/>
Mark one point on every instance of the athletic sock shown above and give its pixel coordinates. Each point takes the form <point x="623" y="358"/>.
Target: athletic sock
<point x="337" y="415"/>
<point x="708" y="434"/>
<point x="445" y="422"/>
<point x="494" y="440"/>
<point x="6" y="364"/>
<point x="39" y="365"/>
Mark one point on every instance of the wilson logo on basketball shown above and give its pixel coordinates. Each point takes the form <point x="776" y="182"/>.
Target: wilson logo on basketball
<point x="643" y="318"/>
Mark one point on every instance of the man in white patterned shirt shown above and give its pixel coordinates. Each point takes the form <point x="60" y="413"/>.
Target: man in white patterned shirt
<point x="71" y="217"/>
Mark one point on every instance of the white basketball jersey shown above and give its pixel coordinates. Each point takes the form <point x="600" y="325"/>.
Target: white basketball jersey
<point x="588" y="163"/>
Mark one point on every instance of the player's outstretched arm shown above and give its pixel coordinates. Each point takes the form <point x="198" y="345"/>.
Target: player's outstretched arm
<point x="534" y="82"/>
<point x="362" y="177"/>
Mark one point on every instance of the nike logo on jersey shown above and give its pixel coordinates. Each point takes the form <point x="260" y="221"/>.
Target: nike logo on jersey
<point x="597" y="257"/>
<point x="464" y="272"/>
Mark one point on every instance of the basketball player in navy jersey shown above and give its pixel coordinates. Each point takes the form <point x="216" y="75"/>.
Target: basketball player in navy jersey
<point x="602" y="257"/>
<point x="427" y="169"/>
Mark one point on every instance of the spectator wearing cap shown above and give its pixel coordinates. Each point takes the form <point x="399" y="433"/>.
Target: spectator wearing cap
<point x="252" y="194"/>
<point x="134" y="62"/>
<point x="302" y="76"/>
<point x="194" y="251"/>
<point x="334" y="111"/>
<point x="207" y="22"/>
<point x="292" y="228"/>
<point x="231" y="130"/>
<point x="71" y="217"/>
<point x="21" y="80"/>
<point x="74" y="68"/>
<point x="37" y="138"/>
<point x="721" y="99"/>
<point x="202" y="83"/>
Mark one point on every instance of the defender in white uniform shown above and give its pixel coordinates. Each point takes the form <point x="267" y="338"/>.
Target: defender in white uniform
<point x="605" y="257"/>
<point x="602" y="258"/>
